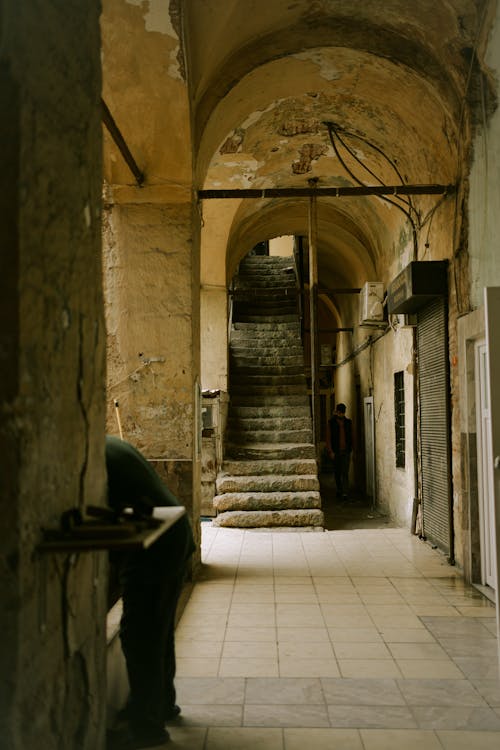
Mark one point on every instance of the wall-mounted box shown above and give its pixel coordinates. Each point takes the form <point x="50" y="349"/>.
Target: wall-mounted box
<point x="371" y="303"/>
<point x="416" y="285"/>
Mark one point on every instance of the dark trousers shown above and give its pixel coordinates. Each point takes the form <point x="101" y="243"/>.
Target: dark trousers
<point x="147" y="638"/>
<point x="341" y="471"/>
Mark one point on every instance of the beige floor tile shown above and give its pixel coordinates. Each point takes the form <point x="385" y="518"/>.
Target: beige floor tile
<point x="354" y="635"/>
<point x="417" y="651"/>
<point x="384" y="611"/>
<point x="253" y="594"/>
<point x="249" y="608"/>
<point x="210" y="690"/>
<point x="257" y="585"/>
<point x="460" y="740"/>
<point x="299" y="615"/>
<point x="406" y="635"/>
<point x="249" y="649"/>
<point x="305" y="650"/>
<point x="384" y="597"/>
<point x="322" y="739"/>
<point x="293" y="580"/>
<point x="299" y="715"/>
<point x="295" y="594"/>
<point x="368" y="668"/>
<point x="362" y="651"/>
<point x="327" y="596"/>
<point x="340" y="583"/>
<point x="251" y="619"/>
<point x="211" y="715"/>
<point x="477" y="611"/>
<point x="190" y="648"/>
<point x="214" y="619"/>
<point x="340" y="621"/>
<point x="308" y="668"/>
<point x="443" y="669"/>
<point x="434" y="610"/>
<point x="244" y="738"/>
<point x="397" y="621"/>
<point x="187" y="738"/>
<point x="303" y="635"/>
<point x="197" y="667"/>
<point x="248" y="667"/>
<point x="255" y="634"/>
<point x="399" y="739"/>
<point x="199" y="632"/>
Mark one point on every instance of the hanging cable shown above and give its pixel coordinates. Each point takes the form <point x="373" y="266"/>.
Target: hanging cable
<point x="331" y="130"/>
<point x="407" y="201"/>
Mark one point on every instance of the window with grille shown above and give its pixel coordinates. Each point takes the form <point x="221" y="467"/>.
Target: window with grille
<point x="399" y="417"/>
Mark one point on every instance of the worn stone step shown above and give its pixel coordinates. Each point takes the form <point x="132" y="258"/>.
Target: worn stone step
<point x="266" y="400"/>
<point x="249" y="437"/>
<point x="267" y="500"/>
<point x="270" y="365"/>
<point x="267" y="483"/>
<point x="268" y="390"/>
<point x="269" y="451"/>
<point x="252" y="381"/>
<point x="257" y="351"/>
<point x="266" y="284"/>
<point x="246" y="424"/>
<point x="267" y="295"/>
<point x="268" y="327"/>
<point x="272" y="302"/>
<point x="265" y="317"/>
<point x="272" y="518"/>
<point x="266" y="263"/>
<point x="272" y="466"/>
<point x="284" y="411"/>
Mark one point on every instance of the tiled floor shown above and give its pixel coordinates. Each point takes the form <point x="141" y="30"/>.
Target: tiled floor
<point x="348" y="640"/>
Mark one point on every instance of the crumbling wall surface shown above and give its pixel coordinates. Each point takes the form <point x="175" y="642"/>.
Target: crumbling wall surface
<point x="149" y="323"/>
<point x="152" y="316"/>
<point x="52" y="374"/>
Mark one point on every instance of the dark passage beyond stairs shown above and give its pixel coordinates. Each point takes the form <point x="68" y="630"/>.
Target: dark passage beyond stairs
<point x="269" y="475"/>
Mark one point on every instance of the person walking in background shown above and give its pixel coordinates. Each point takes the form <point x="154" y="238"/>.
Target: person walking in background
<point x="339" y="442"/>
<point x="151" y="581"/>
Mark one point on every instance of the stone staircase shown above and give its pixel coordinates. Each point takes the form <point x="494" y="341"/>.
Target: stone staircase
<point x="269" y="476"/>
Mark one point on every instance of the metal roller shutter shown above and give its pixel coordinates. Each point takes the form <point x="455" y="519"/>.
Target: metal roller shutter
<point x="434" y="391"/>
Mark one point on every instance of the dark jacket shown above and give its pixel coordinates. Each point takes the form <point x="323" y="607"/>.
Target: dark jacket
<point x="334" y="434"/>
<point x="132" y="482"/>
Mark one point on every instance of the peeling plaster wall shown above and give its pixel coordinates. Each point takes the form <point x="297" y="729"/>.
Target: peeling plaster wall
<point x="52" y="346"/>
<point x="152" y="315"/>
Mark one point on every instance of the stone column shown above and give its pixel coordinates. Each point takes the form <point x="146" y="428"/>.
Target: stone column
<point x="52" y="347"/>
<point x="152" y="313"/>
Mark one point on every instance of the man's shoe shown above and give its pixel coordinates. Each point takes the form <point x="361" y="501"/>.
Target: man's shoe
<point x="172" y="712"/>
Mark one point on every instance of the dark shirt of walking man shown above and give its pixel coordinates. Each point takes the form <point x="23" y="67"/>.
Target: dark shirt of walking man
<point x="151" y="581"/>
<point x="339" y="444"/>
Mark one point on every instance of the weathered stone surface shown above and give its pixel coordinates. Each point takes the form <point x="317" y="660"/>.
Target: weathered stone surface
<point x="269" y="418"/>
<point x="270" y="518"/>
<point x="269" y="466"/>
<point x="267" y="483"/>
<point x="245" y="424"/>
<point x="249" y="437"/>
<point x="270" y="451"/>
<point x="267" y="500"/>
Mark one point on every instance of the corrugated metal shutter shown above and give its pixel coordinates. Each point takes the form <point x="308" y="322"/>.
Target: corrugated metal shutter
<point x="434" y="422"/>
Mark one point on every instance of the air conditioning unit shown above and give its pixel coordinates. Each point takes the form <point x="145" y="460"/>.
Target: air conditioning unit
<point x="406" y="320"/>
<point x="372" y="304"/>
